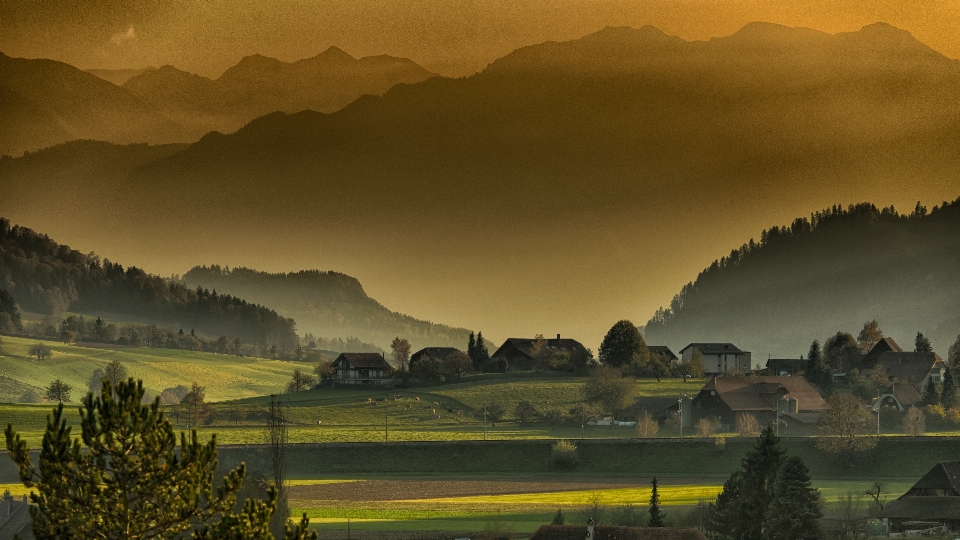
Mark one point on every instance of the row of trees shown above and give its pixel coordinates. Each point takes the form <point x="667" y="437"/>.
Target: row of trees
<point x="624" y="348"/>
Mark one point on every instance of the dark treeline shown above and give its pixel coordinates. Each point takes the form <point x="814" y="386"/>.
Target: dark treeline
<point x="46" y="277"/>
<point x="326" y="303"/>
<point x="833" y="270"/>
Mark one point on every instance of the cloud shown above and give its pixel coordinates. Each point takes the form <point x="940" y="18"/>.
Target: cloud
<point x="120" y="38"/>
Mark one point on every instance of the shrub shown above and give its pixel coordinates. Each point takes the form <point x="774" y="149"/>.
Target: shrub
<point x="563" y="455"/>
<point x="747" y="425"/>
<point x="913" y="422"/>
<point x="647" y="427"/>
<point x="706" y="427"/>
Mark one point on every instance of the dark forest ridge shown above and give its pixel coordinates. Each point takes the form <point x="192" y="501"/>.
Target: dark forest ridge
<point x="329" y="304"/>
<point x="529" y="198"/>
<point x="832" y="272"/>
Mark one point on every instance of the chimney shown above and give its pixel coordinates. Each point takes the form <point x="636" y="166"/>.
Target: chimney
<point x="558" y="338"/>
<point x="590" y="529"/>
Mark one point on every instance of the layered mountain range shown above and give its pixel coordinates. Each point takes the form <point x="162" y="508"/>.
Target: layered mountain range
<point x="569" y="183"/>
<point x="48" y="102"/>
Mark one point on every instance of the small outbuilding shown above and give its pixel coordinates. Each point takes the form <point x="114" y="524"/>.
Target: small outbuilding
<point x="932" y="503"/>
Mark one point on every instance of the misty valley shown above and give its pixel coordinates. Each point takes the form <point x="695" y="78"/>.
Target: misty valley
<point x="622" y="286"/>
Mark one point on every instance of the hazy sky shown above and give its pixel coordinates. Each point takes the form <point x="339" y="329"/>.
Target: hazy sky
<point x="452" y="37"/>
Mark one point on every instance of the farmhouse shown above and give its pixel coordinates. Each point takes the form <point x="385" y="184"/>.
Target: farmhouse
<point x="785" y="366"/>
<point x="663" y="351"/>
<point x="440" y="353"/>
<point x="884" y="345"/>
<point x="900" y="395"/>
<point x="718" y="358"/>
<point x="524" y="353"/>
<point x="361" y="368"/>
<point x="15" y="518"/>
<point x="920" y="369"/>
<point x="613" y="532"/>
<point x="933" y="502"/>
<point x="763" y="397"/>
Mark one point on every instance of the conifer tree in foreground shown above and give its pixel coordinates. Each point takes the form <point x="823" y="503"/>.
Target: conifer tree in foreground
<point x="740" y="508"/>
<point x="123" y="478"/>
<point x="794" y="511"/>
<point x="656" y="515"/>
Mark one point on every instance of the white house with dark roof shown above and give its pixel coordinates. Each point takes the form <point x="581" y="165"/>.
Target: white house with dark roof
<point x="361" y="368"/>
<point x="718" y="358"/>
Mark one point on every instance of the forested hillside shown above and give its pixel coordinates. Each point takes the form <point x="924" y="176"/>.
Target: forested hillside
<point x="833" y="271"/>
<point x="46" y="277"/>
<point x="329" y="304"/>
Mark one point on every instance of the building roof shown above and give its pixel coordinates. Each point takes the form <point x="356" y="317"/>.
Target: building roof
<point x="363" y="361"/>
<point x="917" y="508"/>
<point x="906" y="394"/>
<point x="15" y="518"/>
<point x="884" y="345"/>
<point x="943" y="476"/>
<point x="440" y="353"/>
<point x="610" y="532"/>
<point x="808" y="418"/>
<point x="907" y="366"/>
<point x="714" y="348"/>
<point x="761" y="393"/>
<point x="662" y="350"/>
<point x="552" y="346"/>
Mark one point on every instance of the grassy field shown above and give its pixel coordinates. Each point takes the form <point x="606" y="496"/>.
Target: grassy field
<point x="225" y="377"/>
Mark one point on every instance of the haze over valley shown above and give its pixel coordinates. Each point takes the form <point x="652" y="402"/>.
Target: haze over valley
<point x="567" y="185"/>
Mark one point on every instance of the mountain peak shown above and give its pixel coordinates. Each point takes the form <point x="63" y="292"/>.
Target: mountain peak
<point x="335" y="53"/>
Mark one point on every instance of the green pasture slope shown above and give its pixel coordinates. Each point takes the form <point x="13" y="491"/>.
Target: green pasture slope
<point x="225" y="377"/>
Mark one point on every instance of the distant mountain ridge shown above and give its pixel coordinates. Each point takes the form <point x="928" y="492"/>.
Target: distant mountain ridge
<point x="328" y="304"/>
<point x="259" y="85"/>
<point x="539" y="187"/>
<point x="833" y="272"/>
<point x="46" y="102"/>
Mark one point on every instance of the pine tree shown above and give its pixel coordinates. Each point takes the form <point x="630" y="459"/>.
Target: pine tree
<point x="794" y="510"/>
<point x="656" y="515"/>
<point x="483" y="355"/>
<point x="741" y="506"/>
<point x="722" y="518"/>
<point x="759" y="471"/>
<point x="817" y="370"/>
<point x="472" y="351"/>
<point x="131" y="480"/>
<point x="558" y="519"/>
<point x="922" y="344"/>
<point x="948" y="395"/>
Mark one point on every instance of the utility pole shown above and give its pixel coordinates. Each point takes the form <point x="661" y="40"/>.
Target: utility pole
<point x="386" y="420"/>
<point x="878" y="414"/>
<point x="583" y="413"/>
<point x="484" y="417"/>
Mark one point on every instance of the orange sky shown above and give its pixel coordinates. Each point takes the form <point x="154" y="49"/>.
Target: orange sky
<point x="454" y="37"/>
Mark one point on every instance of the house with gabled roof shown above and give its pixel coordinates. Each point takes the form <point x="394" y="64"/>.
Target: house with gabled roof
<point x="933" y="502"/>
<point x="15" y="520"/>
<point x="884" y="345"/>
<point x="663" y="351"/>
<point x="917" y="368"/>
<point x="901" y="395"/>
<point x="361" y="368"/>
<point x="718" y="358"/>
<point x="440" y="353"/>
<point x="522" y="354"/>
<point x="726" y="397"/>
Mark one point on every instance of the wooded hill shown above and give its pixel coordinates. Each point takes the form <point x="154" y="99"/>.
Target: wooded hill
<point x="833" y="271"/>
<point x="46" y="277"/>
<point x="327" y="304"/>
